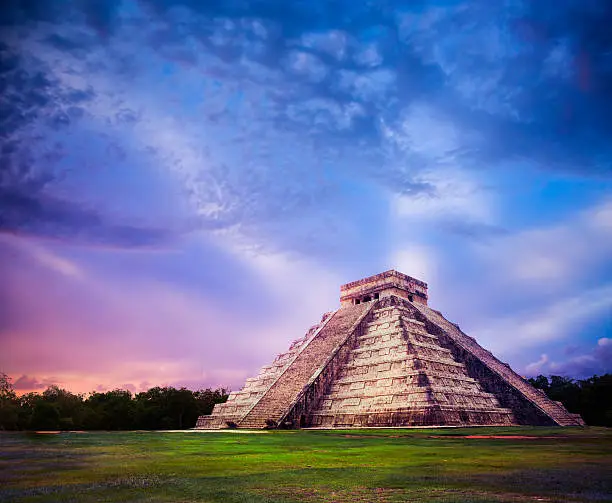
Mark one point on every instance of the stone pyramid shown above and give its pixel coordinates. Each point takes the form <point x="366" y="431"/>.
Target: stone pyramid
<point x="386" y="359"/>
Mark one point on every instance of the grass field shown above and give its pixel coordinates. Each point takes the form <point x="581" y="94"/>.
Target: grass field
<point x="433" y="465"/>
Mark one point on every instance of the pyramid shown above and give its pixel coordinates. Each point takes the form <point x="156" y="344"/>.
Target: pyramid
<point x="386" y="359"/>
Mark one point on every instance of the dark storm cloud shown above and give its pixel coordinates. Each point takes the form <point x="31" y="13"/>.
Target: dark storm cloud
<point x="535" y="82"/>
<point x="18" y="12"/>
<point x="101" y="15"/>
<point x="47" y="216"/>
<point x="595" y="362"/>
<point x="531" y="82"/>
<point x="31" y="97"/>
<point x="24" y="94"/>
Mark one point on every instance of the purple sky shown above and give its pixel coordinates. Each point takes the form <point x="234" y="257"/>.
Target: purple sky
<point x="185" y="185"/>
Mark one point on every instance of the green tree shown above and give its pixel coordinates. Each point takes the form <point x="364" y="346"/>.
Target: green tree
<point x="113" y="410"/>
<point x="27" y="403"/>
<point x="565" y="390"/>
<point x="45" y="416"/>
<point x="596" y="400"/>
<point x="166" y="408"/>
<point x="182" y="408"/>
<point x="206" y="399"/>
<point x="9" y="404"/>
<point x="59" y="409"/>
<point x="70" y="407"/>
<point x="540" y="382"/>
<point x="591" y="398"/>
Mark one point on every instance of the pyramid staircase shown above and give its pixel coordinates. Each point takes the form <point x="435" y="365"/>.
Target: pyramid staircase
<point x="273" y="405"/>
<point x="242" y="401"/>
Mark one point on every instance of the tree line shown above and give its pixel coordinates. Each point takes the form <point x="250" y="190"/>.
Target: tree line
<point x="159" y="408"/>
<point x="167" y="408"/>
<point x="591" y="398"/>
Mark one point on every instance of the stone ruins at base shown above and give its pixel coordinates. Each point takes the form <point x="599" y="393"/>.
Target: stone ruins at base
<point x="386" y="359"/>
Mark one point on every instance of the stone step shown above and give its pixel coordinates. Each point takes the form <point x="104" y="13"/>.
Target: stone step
<point x="249" y="391"/>
<point x="380" y="345"/>
<point x="429" y="346"/>
<point x="393" y="311"/>
<point x="402" y="374"/>
<point x="387" y="410"/>
<point x="394" y="335"/>
<point x="385" y="324"/>
<point x="405" y="357"/>
<point x="397" y="332"/>
<point x="383" y="359"/>
<point x="374" y="392"/>
<point x="413" y="321"/>
<point x="422" y="333"/>
<point x="401" y="343"/>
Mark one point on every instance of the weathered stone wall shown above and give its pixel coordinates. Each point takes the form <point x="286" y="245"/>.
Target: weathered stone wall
<point x="524" y="411"/>
<point x="385" y="284"/>
<point x="529" y="405"/>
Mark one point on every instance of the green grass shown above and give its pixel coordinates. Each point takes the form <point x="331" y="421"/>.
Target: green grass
<point x="382" y="465"/>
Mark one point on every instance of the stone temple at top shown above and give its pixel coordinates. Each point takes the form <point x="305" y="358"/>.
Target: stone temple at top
<point x="385" y="358"/>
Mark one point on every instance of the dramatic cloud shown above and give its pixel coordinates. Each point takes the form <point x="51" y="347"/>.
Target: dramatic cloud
<point x="595" y="361"/>
<point x="563" y="255"/>
<point x="26" y="383"/>
<point x="537" y="367"/>
<point x="175" y="173"/>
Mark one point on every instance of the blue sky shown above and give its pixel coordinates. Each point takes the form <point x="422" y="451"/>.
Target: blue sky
<point x="185" y="185"/>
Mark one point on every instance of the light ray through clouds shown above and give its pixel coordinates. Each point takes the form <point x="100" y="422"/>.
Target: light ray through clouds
<point x="184" y="185"/>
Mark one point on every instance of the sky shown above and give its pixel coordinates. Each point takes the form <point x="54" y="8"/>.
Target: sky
<point x="185" y="184"/>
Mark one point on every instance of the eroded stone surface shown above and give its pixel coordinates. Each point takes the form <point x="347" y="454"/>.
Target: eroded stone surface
<point x="397" y="372"/>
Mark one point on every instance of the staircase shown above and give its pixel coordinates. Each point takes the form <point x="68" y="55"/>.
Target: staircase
<point x="552" y="409"/>
<point x="242" y="401"/>
<point x="277" y="400"/>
